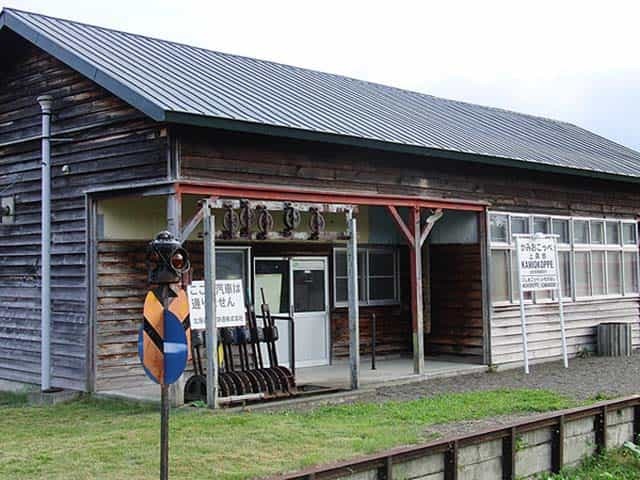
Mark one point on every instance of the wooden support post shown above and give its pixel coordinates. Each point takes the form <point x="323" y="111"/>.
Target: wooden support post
<point x="557" y="446"/>
<point x="174" y="225"/>
<point x="413" y="235"/>
<point x="386" y="472"/>
<point x="417" y="309"/>
<point x="601" y="430"/>
<point x="451" y="462"/>
<point x="509" y="455"/>
<point x="354" y="311"/>
<point x="636" y="423"/>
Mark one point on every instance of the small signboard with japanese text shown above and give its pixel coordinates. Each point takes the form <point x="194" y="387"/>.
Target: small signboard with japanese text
<point x="230" y="308"/>
<point x="538" y="269"/>
<point x="537" y="263"/>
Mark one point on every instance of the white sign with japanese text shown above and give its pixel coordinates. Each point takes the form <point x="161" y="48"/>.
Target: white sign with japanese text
<point x="537" y="257"/>
<point x="230" y="308"/>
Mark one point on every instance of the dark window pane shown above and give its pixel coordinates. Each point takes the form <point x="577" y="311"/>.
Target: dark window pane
<point x="341" y="290"/>
<point x="597" y="262"/>
<point x="308" y="290"/>
<point x="583" y="278"/>
<point x="381" y="263"/>
<point x="564" y="258"/>
<point x="519" y="225"/>
<point x="561" y="228"/>
<point x="498" y="226"/>
<point x="341" y="263"/>
<point x="614" y="268"/>
<point x="540" y="225"/>
<point x="629" y="233"/>
<point x="613" y="233"/>
<point x="597" y="232"/>
<point x="231" y="265"/>
<point x="381" y="288"/>
<point x="630" y="272"/>
<point x="580" y="231"/>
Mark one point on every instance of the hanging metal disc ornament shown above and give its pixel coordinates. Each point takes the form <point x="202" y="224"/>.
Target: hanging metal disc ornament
<point x="247" y="218"/>
<point x="291" y="219"/>
<point x="317" y="223"/>
<point x="264" y="222"/>
<point x="230" y="222"/>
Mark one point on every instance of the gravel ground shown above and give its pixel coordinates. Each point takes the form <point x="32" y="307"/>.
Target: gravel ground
<point x="586" y="378"/>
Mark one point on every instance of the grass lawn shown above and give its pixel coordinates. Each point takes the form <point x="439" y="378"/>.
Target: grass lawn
<point x="109" y="440"/>
<point x="614" y="465"/>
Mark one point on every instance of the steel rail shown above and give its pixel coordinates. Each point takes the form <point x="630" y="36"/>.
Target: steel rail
<point x="383" y="461"/>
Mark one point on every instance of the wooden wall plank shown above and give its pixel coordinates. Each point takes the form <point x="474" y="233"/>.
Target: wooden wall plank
<point x="114" y="144"/>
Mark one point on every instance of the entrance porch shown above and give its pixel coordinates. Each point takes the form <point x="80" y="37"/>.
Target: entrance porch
<point x="419" y="281"/>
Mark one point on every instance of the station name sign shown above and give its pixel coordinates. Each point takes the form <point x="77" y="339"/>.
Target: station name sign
<point x="538" y="268"/>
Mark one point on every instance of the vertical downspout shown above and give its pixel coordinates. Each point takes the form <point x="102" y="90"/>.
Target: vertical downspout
<point x="45" y="259"/>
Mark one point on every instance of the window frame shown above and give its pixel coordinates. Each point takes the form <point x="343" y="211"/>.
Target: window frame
<point x="572" y="247"/>
<point x="366" y="300"/>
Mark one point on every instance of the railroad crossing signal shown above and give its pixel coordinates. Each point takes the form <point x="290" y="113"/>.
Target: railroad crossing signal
<point x="163" y="341"/>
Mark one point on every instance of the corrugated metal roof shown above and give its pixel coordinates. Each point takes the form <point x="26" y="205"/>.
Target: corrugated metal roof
<point x="180" y="83"/>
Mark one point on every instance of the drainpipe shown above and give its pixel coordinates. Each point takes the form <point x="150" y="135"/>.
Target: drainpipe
<point x="45" y="259"/>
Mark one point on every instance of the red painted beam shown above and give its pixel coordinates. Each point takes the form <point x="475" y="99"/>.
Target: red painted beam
<point x="409" y="237"/>
<point x="264" y="192"/>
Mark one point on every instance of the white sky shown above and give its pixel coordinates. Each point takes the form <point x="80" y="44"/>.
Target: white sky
<point x="570" y="60"/>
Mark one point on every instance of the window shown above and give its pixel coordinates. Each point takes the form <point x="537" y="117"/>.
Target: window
<point x="613" y="233"/>
<point x="630" y="271"/>
<point x="499" y="228"/>
<point x="580" y="231"/>
<point x="597" y="257"/>
<point x="629" y="233"/>
<point x="540" y="225"/>
<point x="583" y="274"/>
<point x="561" y="228"/>
<point x="377" y="276"/>
<point x="341" y="279"/>
<point x="597" y="232"/>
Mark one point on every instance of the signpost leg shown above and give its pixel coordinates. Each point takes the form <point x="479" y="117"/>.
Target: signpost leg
<point x="523" y="321"/>
<point x="164" y="431"/>
<point x="209" y="230"/>
<point x="561" y="306"/>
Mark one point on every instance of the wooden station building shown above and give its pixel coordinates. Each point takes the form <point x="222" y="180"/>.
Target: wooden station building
<point x="143" y="129"/>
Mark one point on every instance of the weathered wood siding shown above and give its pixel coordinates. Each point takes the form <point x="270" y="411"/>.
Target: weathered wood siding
<point x="543" y="328"/>
<point x="112" y="143"/>
<point x="456" y="300"/>
<point x="122" y="286"/>
<point x="393" y="330"/>
<point x="206" y="155"/>
<point x="265" y="160"/>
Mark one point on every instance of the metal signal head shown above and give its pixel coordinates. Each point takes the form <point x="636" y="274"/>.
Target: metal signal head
<point x="166" y="259"/>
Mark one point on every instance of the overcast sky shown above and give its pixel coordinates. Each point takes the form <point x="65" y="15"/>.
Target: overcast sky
<point x="576" y="61"/>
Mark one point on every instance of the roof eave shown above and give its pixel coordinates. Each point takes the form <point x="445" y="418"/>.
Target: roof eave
<point x="133" y="98"/>
<point x="301" y="134"/>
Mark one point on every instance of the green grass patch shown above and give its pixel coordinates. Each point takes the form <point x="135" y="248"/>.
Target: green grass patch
<point x="103" y="439"/>
<point x="614" y="465"/>
<point x="12" y="399"/>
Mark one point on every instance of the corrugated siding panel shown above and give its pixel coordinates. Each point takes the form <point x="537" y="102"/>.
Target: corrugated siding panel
<point x="125" y="147"/>
<point x="179" y="78"/>
<point x="543" y="328"/>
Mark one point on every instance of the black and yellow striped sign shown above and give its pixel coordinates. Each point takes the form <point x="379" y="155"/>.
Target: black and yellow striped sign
<point x="164" y="338"/>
